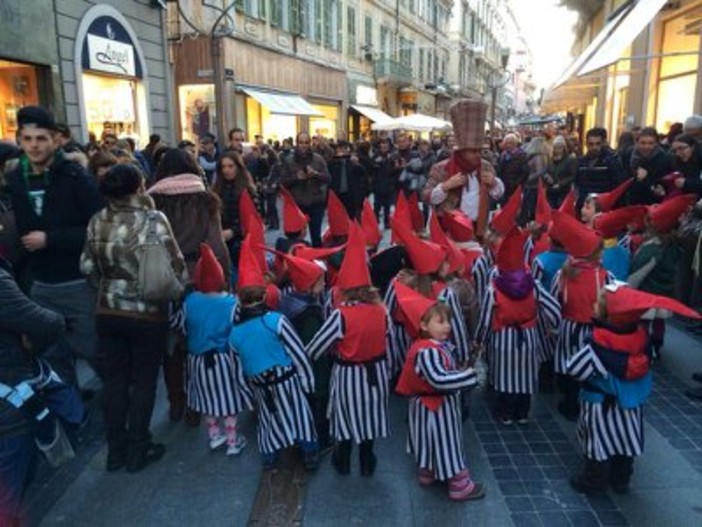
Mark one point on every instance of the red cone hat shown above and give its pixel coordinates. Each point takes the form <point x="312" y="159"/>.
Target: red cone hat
<point x="354" y="270"/>
<point x="608" y="200"/>
<point x="578" y="239"/>
<point x="294" y="220"/>
<point x="315" y="253"/>
<point x="338" y="217"/>
<point x="543" y="209"/>
<point x="426" y="257"/>
<point x="612" y="224"/>
<point x="258" y="240"/>
<point x="458" y="226"/>
<point x="302" y="273"/>
<point x="247" y="211"/>
<point x="454" y="255"/>
<point x="369" y="224"/>
<point x="626" y="304"/>
<point x="416" y="212"/>
<point x="506" y="217"/>
<point x="209" y="275"/>
<point x="568" y="204"/>
<point x="250" y="273"/>
<point x="510" y="255"/>
<point x="401" y="215"/>
<point x="665" y="216"/>
<point x="412" y="304"/>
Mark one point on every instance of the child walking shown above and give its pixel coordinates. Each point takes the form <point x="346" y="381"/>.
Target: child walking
<point x="216" y="386"/>
<point x="356" y="334"/>
<point x="274" y="362"/>
<point x="433" y="380"/>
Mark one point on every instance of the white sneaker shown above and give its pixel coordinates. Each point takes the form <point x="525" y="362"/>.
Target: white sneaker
<point x="236" y="448"/>
<point x="217" y="441"/>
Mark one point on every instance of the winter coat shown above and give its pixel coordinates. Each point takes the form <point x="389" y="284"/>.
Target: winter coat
<point x="658" y="165"/>
<point x="598" y="174"/>
<point x="512" y="169"/>
<point x="307" y="191"/>
<point x="109" y="258"/>
<point x="383" y="182"/>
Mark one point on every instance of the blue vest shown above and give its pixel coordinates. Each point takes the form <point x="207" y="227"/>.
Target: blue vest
<point x="616" y="260"/>
<point x="629" y="394"/>
<point x="551" y="262"/>
<point x="208" y="321"/>
<point x="258" y="344"/>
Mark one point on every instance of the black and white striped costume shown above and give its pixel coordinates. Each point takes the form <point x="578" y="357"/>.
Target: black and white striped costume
<point x="436" y="438"/>
<point x="400" y="340"/>
<point x="604" y="430"/>
<point x="514" y="354"/>
<point x="572" y="335"/>
<point x="482" y="268"/>
<point x="358" y="408"/>
<point x="284" y="415"/>
<point x="216" y="385"/>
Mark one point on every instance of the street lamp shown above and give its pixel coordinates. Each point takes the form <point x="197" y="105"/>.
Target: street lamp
<point x="496" y="84"/>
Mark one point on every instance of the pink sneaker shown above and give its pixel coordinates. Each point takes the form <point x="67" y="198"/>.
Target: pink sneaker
<point x="426" y="477"/>
<point x="462" y="488"/>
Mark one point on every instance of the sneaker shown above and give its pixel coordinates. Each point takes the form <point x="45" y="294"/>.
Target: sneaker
<point x="138" y="459"/>
<point x="426" y="477"/>
<point x="523" y="421"/>
<point x="217" y="441"/>
<point x="507" y="421"/>
<point x="476" y="492"/>
<point x="237" y="447"/>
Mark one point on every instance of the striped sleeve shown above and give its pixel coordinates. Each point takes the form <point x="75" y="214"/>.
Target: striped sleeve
<point x="537" y="270"/>
<point x="458" y="323"/>
<point x="430" y="366"/>
<point x="331" y="331"/>
<point x="296" y="350"/>
<point x="528" y="249"/>
<point x="556" y="287"/>
<point x="480" y="274"/>
<point x="549" y="309"/>
<point x="176" y="317"/>
<point x="395" y="343"/>
<point x="487" y="308"/>
<point x="584" y="364"/>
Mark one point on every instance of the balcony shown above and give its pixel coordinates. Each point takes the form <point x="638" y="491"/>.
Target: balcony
<point x="392" y="72"/>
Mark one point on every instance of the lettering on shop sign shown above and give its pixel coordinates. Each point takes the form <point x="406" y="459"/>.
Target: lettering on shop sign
<point x="110" y="56"/>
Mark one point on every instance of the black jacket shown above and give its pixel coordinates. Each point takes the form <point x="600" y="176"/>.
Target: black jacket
<point x="660" y="164"/>
<point x="692" y="171"/>
<point x="383" y="179"/>
<point x="20" y="316"/>
<point x="598" y="174"/>
<point x="70" y="201"/>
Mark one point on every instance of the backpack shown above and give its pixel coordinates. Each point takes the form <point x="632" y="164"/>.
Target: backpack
<point x="156" y="278"/>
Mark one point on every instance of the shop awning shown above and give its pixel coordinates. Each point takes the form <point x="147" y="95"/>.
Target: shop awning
<point x="374" y="114"/>
<point x="415" y="122"/>
<point x="634" y="21"/>
<point x="283" y="104"/>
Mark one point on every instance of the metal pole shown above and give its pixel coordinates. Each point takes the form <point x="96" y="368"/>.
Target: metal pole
<point x="222" y="101"/>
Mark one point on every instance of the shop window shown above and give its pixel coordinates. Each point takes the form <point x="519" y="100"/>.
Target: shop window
<point x="197" y="110"/>
<point x="677" y="39"/>
<point x="350" y="31"/>
<point x="325" y="126"/>
<point x="368" y="33"/>
<point x="18" y="87"/>
<point x="115" y="105"/>
<point x="676" y="98"/>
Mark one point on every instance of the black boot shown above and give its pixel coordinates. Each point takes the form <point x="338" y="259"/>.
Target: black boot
<point x="341" y="458"/>
<point x="594" y="479"/>
<point x="367" y="458"/>
<point x="139" y="456"/>
<point x="620" y="470"/>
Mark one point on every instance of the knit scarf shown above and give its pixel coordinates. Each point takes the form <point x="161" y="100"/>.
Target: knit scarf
<point x="176" y="185"/>
<point x="458" y="164"/>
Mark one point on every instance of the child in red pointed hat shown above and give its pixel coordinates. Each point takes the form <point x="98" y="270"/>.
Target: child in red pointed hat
<point x="339" y="219"/>
<point x="614" y="372"/>
<point x="515" y="315"/>
<point x="539" y="242"/>
<point x="215" y="387"/>
<point x="354" y="337"/>
<point x="604" y="202"/>
<point x="371" y="229"/>
<point x="576" y="286"/>
<point x="655" y="263"/>
<point x="418" y="218"/>
<point x="275" y="365"/>
<point x="611" y="225"/>
<point x="433" y="380"/>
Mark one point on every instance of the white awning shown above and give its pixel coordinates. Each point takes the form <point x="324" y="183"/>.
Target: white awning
<point x="635" y="20"/>
<point x="374" y="114"/>
<point x="415" y="122"/>
<point x="283" y="104"/>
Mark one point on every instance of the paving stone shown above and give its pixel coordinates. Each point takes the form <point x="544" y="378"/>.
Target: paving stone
<point x="542" y="503"/>
<point x="613" y="518"/>
<point x="488" y="437"/>
<point x="540" y="448"/>
<point x="517" y="448"/>
<point x="682" y="443"/>
<point x="548" y="460"/>
<point x="519" y="504"/>
<point x="601" y="503"/>
<point x="512" y="488"/>
<point x="529" y="519"/>
<point x="500" y="460"/>
<point x="523" y="460"/>
<point x="538" y="488"/>
<point x="554" y="519"/>
<point x="582" y="518"/>
<point x="531" y="473"/>
<point x="495" y="448"/>
<point x="556" y="472"/>
<point x="506" y="474"/>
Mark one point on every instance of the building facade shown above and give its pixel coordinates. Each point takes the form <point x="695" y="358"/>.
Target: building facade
<point x="656" y="78"/>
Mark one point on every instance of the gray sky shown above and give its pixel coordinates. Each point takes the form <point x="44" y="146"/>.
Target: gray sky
<point x="548" y="29"/>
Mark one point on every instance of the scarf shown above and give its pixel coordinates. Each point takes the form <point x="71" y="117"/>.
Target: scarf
<point x="458" y="164"/>
<point x="515" y="284"/>
<point x="176" y="185"/>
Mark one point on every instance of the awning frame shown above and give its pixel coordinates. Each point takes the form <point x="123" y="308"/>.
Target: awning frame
<point x="279" y="103"/>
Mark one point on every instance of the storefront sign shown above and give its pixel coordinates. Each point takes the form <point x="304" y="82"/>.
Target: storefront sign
<point x="366" y="96"/>
<point x="108" y="48"/>
<point x="110" y="56"/>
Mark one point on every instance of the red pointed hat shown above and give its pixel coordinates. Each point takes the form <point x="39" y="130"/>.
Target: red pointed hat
<point x="426" y="257"/>
<point x="579" y="240"/>
<point x="369" y="224"/>
<point x="665" y="216"/>
<point x="401" y="215"/>
<point x="510" y="254"/>
<point x="506" y="217"/>
<point x="543" y="209"/>
<point x="302" y="273"/>
<point x="458" y="226"/>
<point x="612" y="224"/>
<point x="412" y="304"/>
<point x="209" y="275"/>
<point x="415" y="212"/>
<point x="454" y="255"/>
<point x="338" y="217"/>
<point x="315" y="253"/>
<point x="354" y="270"/>
<point x="258" y="240"/>
<point x="608" y="200"/>
<point x="247" y="211"/>
<point x="250" y="273"/>
<point x="294" y="220"/>
<point x="626" y="304"/>
<point x="568" y="204"/>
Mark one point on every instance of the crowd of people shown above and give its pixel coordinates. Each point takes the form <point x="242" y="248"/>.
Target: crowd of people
<point x="521" y="264"/>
